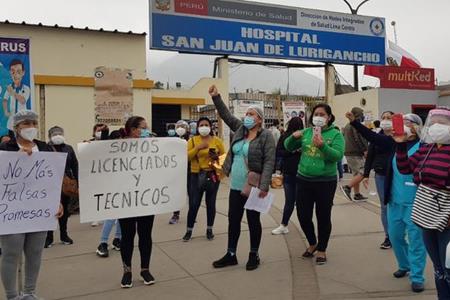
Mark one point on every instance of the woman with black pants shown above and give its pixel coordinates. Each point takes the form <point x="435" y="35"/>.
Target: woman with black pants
<point x="322" y="147"/>
<point x="58" y="144"/>
<point x="252" y="150"/>
<point x="134" y="128"/>
<point x="203" y="149"/>
<point x="289" y="166"/>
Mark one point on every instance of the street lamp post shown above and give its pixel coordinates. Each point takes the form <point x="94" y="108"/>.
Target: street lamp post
<point x="355" y="67"/>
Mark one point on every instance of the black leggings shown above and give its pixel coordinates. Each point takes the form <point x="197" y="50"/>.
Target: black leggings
<point x="65" y="201"/>
<point x="144" y="227"/>
<point x="321" y="194"/>
<point x="202" y="184"/>
<point x="235" y="214"/>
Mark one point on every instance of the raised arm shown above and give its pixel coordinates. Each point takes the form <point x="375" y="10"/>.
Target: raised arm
<point x="232" y="122"/>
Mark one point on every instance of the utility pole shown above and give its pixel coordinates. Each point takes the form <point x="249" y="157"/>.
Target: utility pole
<point x="355" y="67"/>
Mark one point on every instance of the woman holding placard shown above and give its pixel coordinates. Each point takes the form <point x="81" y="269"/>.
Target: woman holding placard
<point x="203" y="149"/>
<point x="322" y="148"/>
<point x="250" y="162"/>
<point x="31" y="244"/>
<point x="135" y="128"/>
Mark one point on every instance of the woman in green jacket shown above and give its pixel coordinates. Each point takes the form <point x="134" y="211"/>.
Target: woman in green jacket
<point x="322" y="148"/>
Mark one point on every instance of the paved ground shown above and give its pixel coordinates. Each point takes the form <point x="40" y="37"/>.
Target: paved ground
<point x="357" y="268"/>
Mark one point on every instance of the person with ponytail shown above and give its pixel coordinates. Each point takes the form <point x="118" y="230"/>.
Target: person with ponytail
<point x="203" y="149"/>
<point x="135" y="128"/>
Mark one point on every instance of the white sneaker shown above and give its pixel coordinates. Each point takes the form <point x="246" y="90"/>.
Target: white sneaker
<point x="95" y="224"/>
<point x="280" y="230"/>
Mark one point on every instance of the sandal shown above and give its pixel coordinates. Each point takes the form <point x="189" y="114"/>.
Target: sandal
<point x="309" y="254"/>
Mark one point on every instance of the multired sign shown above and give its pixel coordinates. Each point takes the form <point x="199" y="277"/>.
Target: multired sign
<point x="193" y="7"/>
<point x="407" y="78"/>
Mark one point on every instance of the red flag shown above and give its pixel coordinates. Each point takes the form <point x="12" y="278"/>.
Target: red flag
<point x="395" y="56"/>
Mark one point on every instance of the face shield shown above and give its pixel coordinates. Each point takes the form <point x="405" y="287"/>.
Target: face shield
<point x="437" y="127"/>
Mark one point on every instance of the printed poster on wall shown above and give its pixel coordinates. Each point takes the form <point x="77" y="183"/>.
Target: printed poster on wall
<point x="113" y="96"/>
<point x="16" y="85"/>
<point x="293" y="109"/>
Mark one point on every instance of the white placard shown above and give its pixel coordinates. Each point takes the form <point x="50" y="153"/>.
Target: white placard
<point x="30" y="191"/>
<point x="132" y="177"/>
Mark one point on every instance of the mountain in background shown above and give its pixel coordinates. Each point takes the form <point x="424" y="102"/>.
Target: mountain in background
<point x="188" y="69"/>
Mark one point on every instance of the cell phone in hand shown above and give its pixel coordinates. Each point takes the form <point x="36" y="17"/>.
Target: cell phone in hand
<point x="398" y="125"/>
<point x="317" y="130"/>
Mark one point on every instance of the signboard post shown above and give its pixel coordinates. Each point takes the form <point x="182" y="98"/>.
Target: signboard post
<point x="132" y="177"/>
<point x="231" y="27"/>
<point x="30" y="192"/>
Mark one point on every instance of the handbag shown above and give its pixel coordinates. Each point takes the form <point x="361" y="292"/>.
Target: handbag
<point x="253" y="180"/>
<point x="69" y="185"/>
<point x="277" y="181"/>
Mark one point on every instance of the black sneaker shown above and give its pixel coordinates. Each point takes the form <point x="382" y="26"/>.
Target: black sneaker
<point x="253" y="261"/>
<point x="102" y="250"/>
<point x="359" y="197"/>
<point x="48" y="243"/>
<point x="66" y="240"/>
<point x="347" y="191"/>
<point x="127" y="280"/>
<point x="188" y="236"/>
<point x="401" y="273"/>
<point x="386" y="244"/>
<point x="227" y="260"/>
<point x="116" y="244"/>
<point x="147" y="277"/>
<point x="209" y="234"/>
<point x="417" y="287"/>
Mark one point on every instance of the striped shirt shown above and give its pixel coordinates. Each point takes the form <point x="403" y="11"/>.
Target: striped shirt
<point x="434" y="171"/>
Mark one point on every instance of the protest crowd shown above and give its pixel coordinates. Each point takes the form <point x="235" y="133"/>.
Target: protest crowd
<point x="410" y="159"/>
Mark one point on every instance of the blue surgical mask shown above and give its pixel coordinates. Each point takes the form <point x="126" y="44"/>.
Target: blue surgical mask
<point x="249" y="122"/>
<point x="145" y="133"/>
<point x="171" y="132"/>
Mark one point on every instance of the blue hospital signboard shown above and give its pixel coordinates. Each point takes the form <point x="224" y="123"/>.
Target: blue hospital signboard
<point x="246" y="28"/>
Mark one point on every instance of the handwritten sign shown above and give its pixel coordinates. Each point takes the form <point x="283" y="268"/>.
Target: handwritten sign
<point x="132" y="177"/>
<point x="30" y="191"/>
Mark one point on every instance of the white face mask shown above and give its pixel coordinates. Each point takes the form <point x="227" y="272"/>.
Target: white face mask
<point x="439" y="133"/>
<point x="408" y="131"/>
<point x="319" y="121"/>
<point x="98" y="135"/>
<point x="58" y="139"/>
<point x="386" y="124"/>
<point x="204" y="130"/>
<point x="181" y="131"/>
<point x="29" y="134"/>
